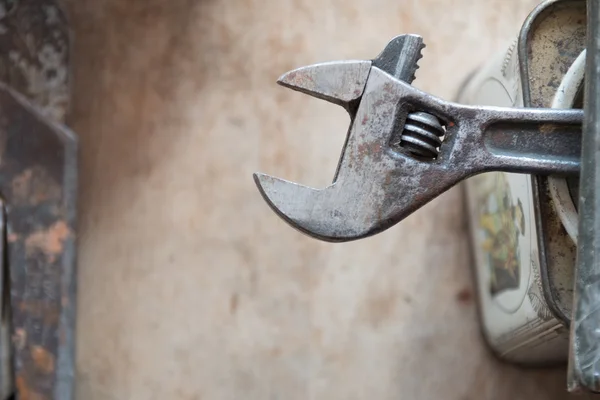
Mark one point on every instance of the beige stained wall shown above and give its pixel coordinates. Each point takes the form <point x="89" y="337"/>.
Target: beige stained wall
<point x="189" y="286"/>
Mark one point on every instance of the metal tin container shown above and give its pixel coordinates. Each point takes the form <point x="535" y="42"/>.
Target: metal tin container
<point x="523" y="227"/>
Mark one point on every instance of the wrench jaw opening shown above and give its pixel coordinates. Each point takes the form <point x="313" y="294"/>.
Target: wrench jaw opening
<point x="304" y="208"/>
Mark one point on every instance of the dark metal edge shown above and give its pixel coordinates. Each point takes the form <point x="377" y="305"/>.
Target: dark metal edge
<point x="584" y="355"/>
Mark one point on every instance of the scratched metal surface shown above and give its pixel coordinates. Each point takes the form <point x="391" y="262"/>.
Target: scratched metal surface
<point x="34" y="53"/>
<point x="189" y="286"/>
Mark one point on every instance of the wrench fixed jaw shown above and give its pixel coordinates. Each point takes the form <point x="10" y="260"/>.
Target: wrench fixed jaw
<point x="297" y="205"/>
<point x="324" y="214"/>
<point x="341" y="213"/>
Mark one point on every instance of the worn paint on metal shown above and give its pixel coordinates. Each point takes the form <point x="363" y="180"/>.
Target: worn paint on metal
<point x="38" y="166"/>
<point x="34" y="61"/>
<point x="545" y="56"/>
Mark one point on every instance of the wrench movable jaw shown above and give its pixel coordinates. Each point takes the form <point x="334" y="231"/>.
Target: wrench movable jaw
<point x="339" y="82"/>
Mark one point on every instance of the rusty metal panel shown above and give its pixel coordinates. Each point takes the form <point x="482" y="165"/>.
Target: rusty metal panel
<point x="38" y="181"/>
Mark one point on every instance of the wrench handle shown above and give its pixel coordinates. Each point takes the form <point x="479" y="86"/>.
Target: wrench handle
<point x="535" y="141"/>
<point x="544" y="141"/>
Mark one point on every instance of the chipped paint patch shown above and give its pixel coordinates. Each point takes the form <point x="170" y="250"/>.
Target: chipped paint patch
<point x="43" y="360"/>
<point x="50" y="241"/>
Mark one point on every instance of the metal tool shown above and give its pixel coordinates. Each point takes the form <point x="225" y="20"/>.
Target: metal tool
<point x="405" y="147"/>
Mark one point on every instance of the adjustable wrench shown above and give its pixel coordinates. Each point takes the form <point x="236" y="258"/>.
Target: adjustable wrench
<point x="405" y="147"/>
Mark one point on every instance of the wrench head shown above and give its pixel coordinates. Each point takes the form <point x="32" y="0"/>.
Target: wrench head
<point x="377" y="185"/>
